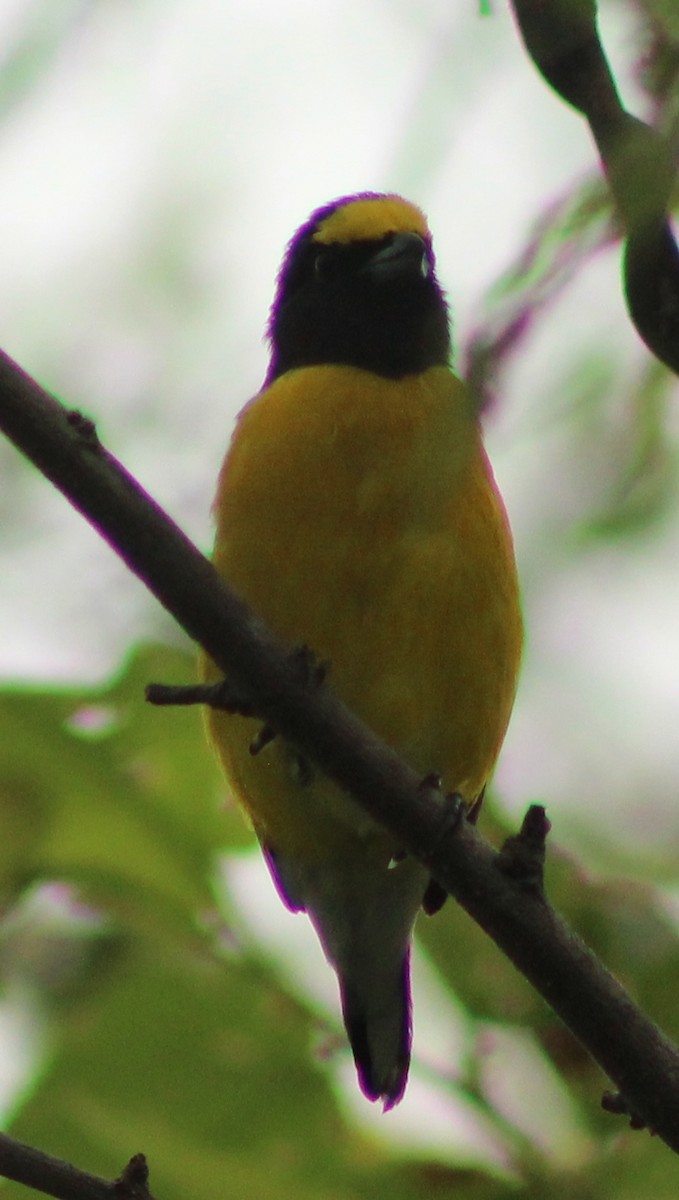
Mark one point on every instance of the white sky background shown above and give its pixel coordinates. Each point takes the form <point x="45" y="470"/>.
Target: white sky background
<point x="149" y="182"/>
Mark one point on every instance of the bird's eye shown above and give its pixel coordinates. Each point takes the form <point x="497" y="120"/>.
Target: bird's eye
<point x="324" y="266"/>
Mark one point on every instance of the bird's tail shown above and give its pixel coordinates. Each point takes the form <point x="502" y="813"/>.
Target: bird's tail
<point x="377" y="1017"/>
<point x="364" y="913"/>
<point x="364" y="916"/>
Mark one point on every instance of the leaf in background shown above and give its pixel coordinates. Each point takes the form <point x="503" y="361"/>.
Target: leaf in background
<point x="203" y="1065"/>
<point x="101" y="790"/>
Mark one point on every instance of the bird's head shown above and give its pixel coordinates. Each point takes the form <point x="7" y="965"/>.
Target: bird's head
<point x="358" y="287"/>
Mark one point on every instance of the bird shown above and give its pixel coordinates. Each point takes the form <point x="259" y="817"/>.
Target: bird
<point x="357" y="514"/>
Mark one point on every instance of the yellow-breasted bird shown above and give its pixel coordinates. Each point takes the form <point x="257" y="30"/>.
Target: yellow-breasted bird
<point x="357" y="514"/>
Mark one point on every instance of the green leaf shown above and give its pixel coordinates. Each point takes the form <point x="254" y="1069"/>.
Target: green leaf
<point x="204" y="1066"/>
<point x="102" y="790"/>
<point x="201" y="1064"/>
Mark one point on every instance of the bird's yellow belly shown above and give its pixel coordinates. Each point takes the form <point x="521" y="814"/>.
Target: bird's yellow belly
<point x="373" y="532"/>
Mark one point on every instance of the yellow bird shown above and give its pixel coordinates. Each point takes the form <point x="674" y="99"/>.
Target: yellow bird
<point x="357" y="514"/>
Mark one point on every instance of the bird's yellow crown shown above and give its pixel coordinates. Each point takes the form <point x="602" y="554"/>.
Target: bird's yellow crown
<point x="371" y="218"/>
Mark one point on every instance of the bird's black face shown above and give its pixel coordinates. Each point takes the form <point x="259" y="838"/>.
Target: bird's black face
<point x="364" y="301"/>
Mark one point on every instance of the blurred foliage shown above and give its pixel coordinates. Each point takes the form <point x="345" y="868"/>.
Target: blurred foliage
<point x="570" y="230"/>
<point x="658" y="63"/>
<point x="76" y="765"/>
<point x="169" y="1031"/>
<point x="35" y="43"/>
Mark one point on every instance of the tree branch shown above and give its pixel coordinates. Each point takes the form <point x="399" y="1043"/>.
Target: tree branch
<point x="53" y="1177"/>
<point x="501" y="894"/>
<point x="562" y="38"/>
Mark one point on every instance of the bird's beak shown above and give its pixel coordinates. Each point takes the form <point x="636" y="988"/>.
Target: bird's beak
<point x="403" y="257"/>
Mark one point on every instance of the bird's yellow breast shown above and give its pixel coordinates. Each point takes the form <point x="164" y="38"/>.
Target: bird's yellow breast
<point x="359" y="515"/>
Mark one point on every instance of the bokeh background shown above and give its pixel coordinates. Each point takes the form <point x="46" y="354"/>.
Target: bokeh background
<point x="154" y="160"/>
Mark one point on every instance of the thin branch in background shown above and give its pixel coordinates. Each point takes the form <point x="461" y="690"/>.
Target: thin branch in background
<point x="569" y="233"/>
<point x="53" y="1177"/>
<point x="563" y="41"/>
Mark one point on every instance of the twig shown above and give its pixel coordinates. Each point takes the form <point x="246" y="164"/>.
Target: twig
<point x="642" y="1063"/>
<point x="53" y="1177"/>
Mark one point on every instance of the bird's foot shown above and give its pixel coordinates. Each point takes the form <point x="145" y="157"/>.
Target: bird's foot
<point x="457" y="810"/>
<point x="225" y="696"/>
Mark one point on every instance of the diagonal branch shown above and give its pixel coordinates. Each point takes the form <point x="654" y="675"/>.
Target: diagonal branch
<point x="502" y="892"/>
